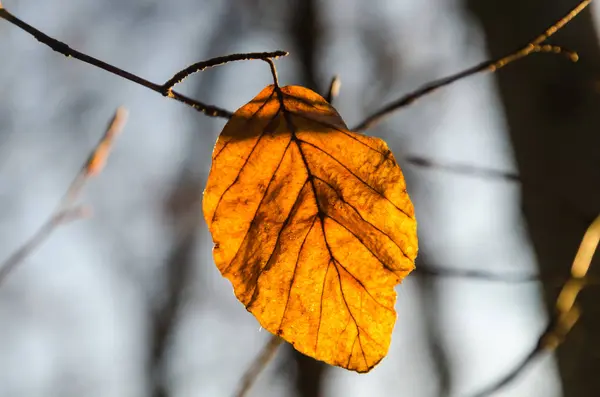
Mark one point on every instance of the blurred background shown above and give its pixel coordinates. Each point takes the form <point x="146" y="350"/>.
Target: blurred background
<point x="129" y="302"/>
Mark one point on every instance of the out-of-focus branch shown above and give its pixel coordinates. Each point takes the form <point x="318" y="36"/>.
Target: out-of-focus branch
<point x="258" y="365"/>
<point x="334" y="89"/>
<point x="184" y="212"/>
<point x="536" y="45"/>
<point x="567" y="311"/>
<point x="67" y="211"/>
<point x="165" y="89"/>
<point x="462" y="169"/>
<point x="446" y="272"/>
<point x="183" y="209"/>
<point x="490" y="173"/>
<point x="304" y="32"/>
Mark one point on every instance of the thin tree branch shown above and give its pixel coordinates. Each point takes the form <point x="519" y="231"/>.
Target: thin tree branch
<point x="163" y="89"/>
<point x="536" y="45"/>
<point x="462" y="169"/>
<point x="445" y="272"/>
<point x="200" y="66"/>
<point x="490" y="173"/>
<point x="66" y="211"/>
<point x="258" y="365"/>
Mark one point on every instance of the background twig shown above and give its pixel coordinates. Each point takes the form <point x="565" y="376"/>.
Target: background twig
<point x="66" y="210"/>
<point x="334" y="89"/>
<point x="258" y="365"/>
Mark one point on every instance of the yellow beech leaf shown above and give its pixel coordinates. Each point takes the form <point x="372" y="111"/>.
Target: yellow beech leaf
<point x="312" y="225"/>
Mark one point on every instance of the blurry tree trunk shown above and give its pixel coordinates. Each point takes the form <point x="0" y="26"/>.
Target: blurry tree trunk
<point x="304" y="32"/>
<point x="553" y="113"/>
<point x="184" y="207"/>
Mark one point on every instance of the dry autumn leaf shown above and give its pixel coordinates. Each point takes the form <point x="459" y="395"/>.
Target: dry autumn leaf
<point x="312" y="225"/>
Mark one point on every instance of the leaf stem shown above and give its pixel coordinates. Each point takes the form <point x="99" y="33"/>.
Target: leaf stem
<point x="273" y="72"/>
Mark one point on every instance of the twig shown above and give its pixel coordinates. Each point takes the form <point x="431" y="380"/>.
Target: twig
<point x="567" y="312"/>
<point x="444" y="272"/>
<point x="200" y="66"/>
<point x="507" y="176"/>
<point x="258" y="365"/>
<point x="429" y="271"/>
<point x="163" y="89"/>
<point x="462" y="169"/>
<point x="66" y="212"/>
<point x="536" y="45"/>
<point x="334" y="89"/>
<point x="512" y="375"/>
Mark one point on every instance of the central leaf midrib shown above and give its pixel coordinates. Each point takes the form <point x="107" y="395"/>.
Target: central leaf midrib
<point x="320" y="213"/>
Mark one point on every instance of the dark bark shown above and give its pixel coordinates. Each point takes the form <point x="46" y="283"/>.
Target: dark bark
<point x="309" y="375"/>
<point x="305" y="33"/>
<point x="552" y="108"/>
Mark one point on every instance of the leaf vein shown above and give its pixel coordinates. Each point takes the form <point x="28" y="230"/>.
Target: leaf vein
<point x="321" y="305"/>
<point x="277" y="242"/>
<point x="294" y="274"/>
<point x="360" y="215"/>
<point x="226" y="269"/>
<point x="333" y="127"/>
<point x="358" y="329"/>
<point x="237" y="177"/>
<point x="355" y="176"/>
<point x="249" y="119"/>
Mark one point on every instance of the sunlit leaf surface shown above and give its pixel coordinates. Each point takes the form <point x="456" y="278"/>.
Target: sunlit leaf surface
<point x="312" y="225"/>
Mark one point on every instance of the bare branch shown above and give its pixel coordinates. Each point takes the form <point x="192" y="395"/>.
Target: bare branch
<point x="66" y="210"/>
<point x="446" y="272"/>
<point x="536" y="45"/>
<point x="163" y="89"/>
<point x="462" y="169"/>
<point x="506" y="176"/>
<point x="258" y="365"/>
